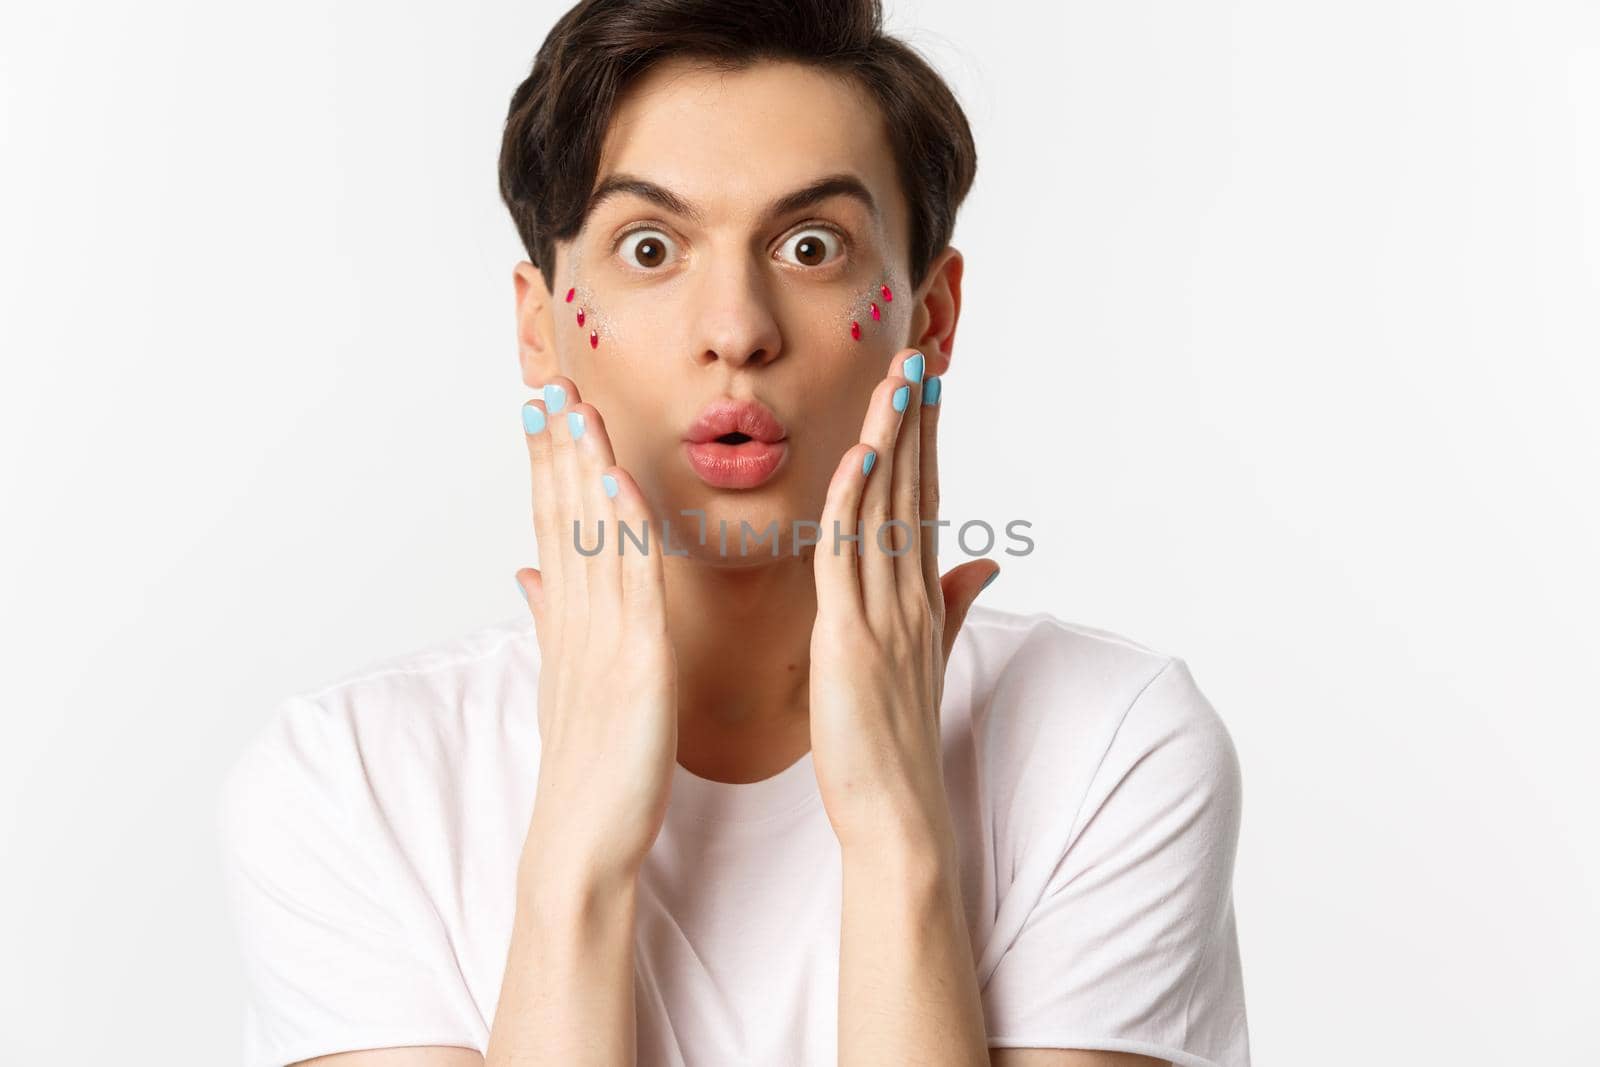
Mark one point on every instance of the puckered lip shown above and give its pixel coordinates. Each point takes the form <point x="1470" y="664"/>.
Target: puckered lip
<point x="727" y="415"/>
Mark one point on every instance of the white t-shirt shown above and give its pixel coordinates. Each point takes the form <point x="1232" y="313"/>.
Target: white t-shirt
<point x="371" y="832"/>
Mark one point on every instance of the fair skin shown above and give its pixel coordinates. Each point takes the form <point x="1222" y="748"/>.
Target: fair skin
<point x="636" y="647"/>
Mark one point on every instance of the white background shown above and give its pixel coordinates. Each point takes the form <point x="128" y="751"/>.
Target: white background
<point x="1281" y="324"/>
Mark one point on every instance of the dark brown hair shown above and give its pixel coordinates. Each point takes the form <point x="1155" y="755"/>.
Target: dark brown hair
<point x="559" y="115"/>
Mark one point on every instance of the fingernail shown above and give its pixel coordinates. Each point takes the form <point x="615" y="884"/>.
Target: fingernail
<point x="521" y="592"/>
<point x="555" y="397"/>
<point x="575" y="424"/>
<point x="901" y="396"/>
<point x="930" y="390"/>
<point x="532" y="418"/>
<point x="995" y="574"/>
<point x="912" y="368"/>
<point x="866" y="464"/>
<point x="610" y="484"/>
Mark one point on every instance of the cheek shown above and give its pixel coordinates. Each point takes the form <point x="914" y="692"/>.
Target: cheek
<point x="864" y="321"/>
<point x="612" y="325"/>
<point x="849" y="342"/>
<point x="586" y="318"/>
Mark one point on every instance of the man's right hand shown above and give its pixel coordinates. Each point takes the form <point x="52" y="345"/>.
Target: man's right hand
<point x="608" y="716"/>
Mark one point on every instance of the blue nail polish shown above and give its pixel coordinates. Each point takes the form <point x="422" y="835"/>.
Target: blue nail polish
<point x="912" y="368"/>
<point x="902" y="396"/>
<point x="532" y="418"/>
<point x="866" y="464"/>
<point x="930" y="390"/>
<point x="987" y="580"/>
<point x="575" y="424"/>
<point x="521" y="592"/>
<point x="555" y="397"/>
<point x="610" y="484"/>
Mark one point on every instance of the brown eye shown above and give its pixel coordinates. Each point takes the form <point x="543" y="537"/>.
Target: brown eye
<point x="648" y="249"/>
<point x="812" y="247"/>
<point x="649" y="253"/>
<point x="810" y="251"/>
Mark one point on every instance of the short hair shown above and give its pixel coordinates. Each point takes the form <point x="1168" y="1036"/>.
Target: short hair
<point x="557" y="121"/>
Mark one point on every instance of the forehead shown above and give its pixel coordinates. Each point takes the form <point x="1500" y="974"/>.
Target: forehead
<point x="731" y="142"/>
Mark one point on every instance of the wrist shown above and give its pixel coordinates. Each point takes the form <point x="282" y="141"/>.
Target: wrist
<point x="556" y="897"/>
<point x="909" y="851"/>
<point x="564" y="877"/>
<point x="910" y="828"/>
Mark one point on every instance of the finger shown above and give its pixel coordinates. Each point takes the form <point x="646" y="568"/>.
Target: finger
<point x="835" y="564"/>
<point x="642" y="570"/>
<point x="592" y="454"/>
<point x="546" y="509"/>
<point x="530" y="583"/>
<point x="905" y="504"/>
<point x="929" y="498"/>
<point x="880" y="431"/>
<point x="560" y="393"/>
<point x="959" y="589"/>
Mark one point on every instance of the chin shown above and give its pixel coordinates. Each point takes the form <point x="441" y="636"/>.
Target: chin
<point x="749" y="519"/>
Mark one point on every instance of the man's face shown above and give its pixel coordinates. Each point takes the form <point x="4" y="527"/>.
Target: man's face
<point x="721" y="296"/>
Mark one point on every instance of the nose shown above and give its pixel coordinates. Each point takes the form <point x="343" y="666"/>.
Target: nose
<point x="734" y="319"/>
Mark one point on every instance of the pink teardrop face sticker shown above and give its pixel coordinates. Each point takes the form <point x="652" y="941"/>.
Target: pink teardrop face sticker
<point x="887" y="295"/>
<point x="594" y="339"/>
<point x="570" y="293"/>
<point x="580" y="316"/>
<point x="855" y="329"/>
<point x="875" y="315"/>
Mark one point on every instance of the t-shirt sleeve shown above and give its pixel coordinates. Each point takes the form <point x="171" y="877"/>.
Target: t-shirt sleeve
<point x="1131" y="945"/>
<point x="341" y="949"/>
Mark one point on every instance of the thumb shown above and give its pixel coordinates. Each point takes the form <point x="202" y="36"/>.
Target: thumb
<point x="961" y="587"/>
<point x="531" y="582"/>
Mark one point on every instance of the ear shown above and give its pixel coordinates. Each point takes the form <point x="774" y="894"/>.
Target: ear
<point x="536" y="352"/>
<point x="938" y="309"/>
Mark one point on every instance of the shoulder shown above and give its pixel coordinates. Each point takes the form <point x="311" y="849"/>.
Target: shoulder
<point x="1049" y="673"/>
<point x="340" y="828"/>
<point x="1039" y="649"/>
<point x="1114" y="803"/>
<point x="393" y="724"/>
<point x="1061" y="712"/>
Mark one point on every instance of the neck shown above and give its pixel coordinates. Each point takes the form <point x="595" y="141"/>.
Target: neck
<point x="742" y="636"/>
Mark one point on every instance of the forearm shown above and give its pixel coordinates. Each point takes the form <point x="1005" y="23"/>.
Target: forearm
<point x="567" y="994"/>
<point x="908" y="987"/>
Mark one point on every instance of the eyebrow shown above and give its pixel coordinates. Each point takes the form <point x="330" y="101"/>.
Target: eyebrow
<point x="823" y="188"/>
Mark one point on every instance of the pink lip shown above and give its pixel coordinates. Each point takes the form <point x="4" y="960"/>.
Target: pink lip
<point x="727" y="415"/>
<point x="736" y="466"/>
<point x="741" y="466"/>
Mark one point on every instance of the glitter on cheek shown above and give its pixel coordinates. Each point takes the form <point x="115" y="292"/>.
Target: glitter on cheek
<point x="585" y="313"/>
<point x="866" y="307"/>
<point x="588" y="317"/>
